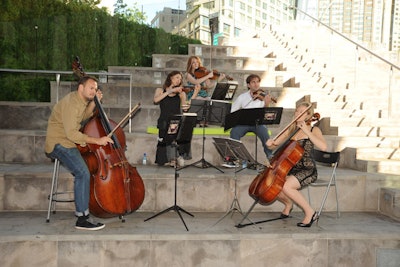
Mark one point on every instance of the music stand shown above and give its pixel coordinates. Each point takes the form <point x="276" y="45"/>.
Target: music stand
<point x="224" y="91"/>
<point x="228" y="147"/>
<point x="254" y="116"/>
<point x="203" y="109"/>
<point x="180" y="129"/>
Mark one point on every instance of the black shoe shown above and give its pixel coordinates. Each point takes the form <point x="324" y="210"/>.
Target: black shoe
<point x="83" y="224"/>
<point x="313" y="219"/>
<point x="285" y="216"/>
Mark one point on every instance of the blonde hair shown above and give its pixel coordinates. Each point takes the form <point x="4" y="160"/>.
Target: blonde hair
<point x="310" y="113"/>
<point x="189" y="67"/>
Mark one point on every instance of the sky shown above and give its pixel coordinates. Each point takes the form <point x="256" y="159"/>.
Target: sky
<point x="150" y="7"/>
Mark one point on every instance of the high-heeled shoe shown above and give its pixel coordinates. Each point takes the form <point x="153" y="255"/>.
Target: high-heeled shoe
<point x="285" y="216"/>
<point x="314" y="218"/>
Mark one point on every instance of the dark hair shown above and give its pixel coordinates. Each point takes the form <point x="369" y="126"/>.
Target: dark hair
<point x="84" y="79"/>
<point x="251" y="77"/>
<point x="168" y="81"/>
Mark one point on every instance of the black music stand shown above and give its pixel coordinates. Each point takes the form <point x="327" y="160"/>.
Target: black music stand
<point x="224" y="91"/>
<point x="232" y="148"/>
<point x="254" y="116"/>
<point x="204" y="110"/>
<point x="180" y="129"/>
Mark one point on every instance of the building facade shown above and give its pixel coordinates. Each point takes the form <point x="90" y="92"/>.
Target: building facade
<point x="375" y="23"/>
<point x="168" y="19"/>
<point x="208" y="20"/>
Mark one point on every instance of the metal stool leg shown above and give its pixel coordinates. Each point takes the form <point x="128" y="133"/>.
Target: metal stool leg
<point x="54" y="182"/>
<point x="54" y="191"/>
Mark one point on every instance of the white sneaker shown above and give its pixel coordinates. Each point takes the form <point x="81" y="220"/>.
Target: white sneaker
<point x="181" y="161"/>
<point x="230" y="164"/>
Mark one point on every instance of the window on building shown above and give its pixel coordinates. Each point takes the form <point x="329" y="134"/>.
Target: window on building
<point x="236" y="32"/>
<point x="227" y="28"/>
<point x="205" y="21"/>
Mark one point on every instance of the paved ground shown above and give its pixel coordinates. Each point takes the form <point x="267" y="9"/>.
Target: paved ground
<point x="32" y="225"/>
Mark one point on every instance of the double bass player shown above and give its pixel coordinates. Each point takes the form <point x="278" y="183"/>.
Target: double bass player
<point x="63" y="135"/>
<point x="304" y="171"/>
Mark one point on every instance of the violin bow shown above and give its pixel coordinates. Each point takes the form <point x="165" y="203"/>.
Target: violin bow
<point x="293" y="121"/>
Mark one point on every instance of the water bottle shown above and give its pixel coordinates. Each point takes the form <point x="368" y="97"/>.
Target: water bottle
<point x="144" y="159"/>
<point x="244" y="164"/>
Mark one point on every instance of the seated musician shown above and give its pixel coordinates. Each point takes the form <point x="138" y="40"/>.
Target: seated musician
<point x="62" y="136"/>
<point x="172" y="100"/>
<point x="305" y="171"/>
<point x="247" y="100"/>
<point x="202" y="85"/>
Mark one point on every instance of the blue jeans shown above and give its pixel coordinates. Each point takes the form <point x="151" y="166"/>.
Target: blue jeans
<point x="71" y="159"/>
<point x="261" y="131"/>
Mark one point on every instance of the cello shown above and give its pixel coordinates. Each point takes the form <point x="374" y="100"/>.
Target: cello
<point x="116" y="187"/>
<point x="267" y="185"/>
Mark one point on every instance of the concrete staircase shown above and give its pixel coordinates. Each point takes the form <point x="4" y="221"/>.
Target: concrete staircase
<point x="355" y="120"/>
<point x="357" y="125"/>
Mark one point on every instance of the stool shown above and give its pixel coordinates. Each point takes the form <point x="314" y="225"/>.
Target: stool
<point x="54" y="191"/>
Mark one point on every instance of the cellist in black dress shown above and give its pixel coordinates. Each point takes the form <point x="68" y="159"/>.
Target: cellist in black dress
<point x="305" y="171"/>
<point x="172" y="100"/>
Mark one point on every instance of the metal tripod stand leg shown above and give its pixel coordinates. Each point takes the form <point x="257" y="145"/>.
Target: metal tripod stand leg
<point x="175" y="207"/>
<point x="235" y="206"/>
<point x="239" y="225"/>
<point x="203" y="163"/>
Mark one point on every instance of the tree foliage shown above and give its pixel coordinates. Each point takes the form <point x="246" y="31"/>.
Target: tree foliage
<point x="48" y="34"/>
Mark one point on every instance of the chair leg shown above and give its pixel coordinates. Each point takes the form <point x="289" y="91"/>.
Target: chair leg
<point x="337" y="199"/>
<point x="53" y="189"/>
<point x="309" y="195"/>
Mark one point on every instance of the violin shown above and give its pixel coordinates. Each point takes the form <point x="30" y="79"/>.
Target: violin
<point x="202" y="71"/>
<point x="188" y="88"/>
<point x="260" y="95"/>
<point x="116" y="187"/>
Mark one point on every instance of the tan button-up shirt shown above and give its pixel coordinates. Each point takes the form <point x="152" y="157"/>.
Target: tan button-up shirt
<point x="65" y="122"/>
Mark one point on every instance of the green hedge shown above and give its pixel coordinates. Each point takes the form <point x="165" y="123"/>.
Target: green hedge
<point x="48" y="34"/>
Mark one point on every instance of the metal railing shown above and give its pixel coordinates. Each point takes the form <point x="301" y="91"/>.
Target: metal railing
<point x="58" y="74"/>
<point x="358" y="47"/>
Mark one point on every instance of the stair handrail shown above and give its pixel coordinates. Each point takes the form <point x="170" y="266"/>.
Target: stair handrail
<point x="58" y="75"/>
<point x="357" y="45"/>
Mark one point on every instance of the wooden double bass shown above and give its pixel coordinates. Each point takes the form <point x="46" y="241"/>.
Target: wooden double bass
<point x="116" y="187"/>
<point x="267" y="185"/>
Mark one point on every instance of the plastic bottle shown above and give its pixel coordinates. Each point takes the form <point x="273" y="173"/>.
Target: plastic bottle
<point x="144" y="162"/>
<point x="244" y="164"/>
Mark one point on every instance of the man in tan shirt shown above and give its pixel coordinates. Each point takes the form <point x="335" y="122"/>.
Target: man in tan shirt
<point x="63" y="135"/>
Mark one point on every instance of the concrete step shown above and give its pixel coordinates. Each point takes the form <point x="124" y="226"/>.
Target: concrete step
<point x="25" y="188"/>
<point x="209" y="241"/>
<point x="369" y="131"/>
<point x="27" y="145"/>
<point x="378" y="153"/>
<point x="221" y="63"/>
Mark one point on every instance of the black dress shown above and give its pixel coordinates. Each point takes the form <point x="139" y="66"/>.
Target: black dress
<point x="305" y="170"/>
<point x="169" y="106"/>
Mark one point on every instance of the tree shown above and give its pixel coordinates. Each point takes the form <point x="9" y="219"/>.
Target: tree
<point x="130" y="14"/>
